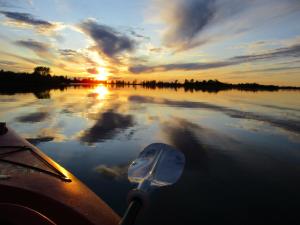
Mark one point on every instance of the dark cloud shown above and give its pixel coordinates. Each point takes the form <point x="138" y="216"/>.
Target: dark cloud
<point x="107" y="125"/>
<point x="289" y="125"/>
<point x="68" y="52"/>
<point x="190" y="17"/>
<point x="108" y="41"/>
<point x="286" y="52"/>
<point x="33" y="45"/>
<point x="179" y="66"/>
<point x="191" y="23"/>
<point x="291" y="51"/>
<point x="92" y="70"/>
<point x="28" y="19"/>
<point x="33" y="117"/>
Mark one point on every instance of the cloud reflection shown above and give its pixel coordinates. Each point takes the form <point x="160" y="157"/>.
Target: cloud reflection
<point x="33" y="117"/>
<point x="287" y="124"/>
<point x="108" y="124"/>
<point x="114" y="172"/>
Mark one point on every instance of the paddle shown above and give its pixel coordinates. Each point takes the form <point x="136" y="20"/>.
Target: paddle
<point x="157" y="165"/>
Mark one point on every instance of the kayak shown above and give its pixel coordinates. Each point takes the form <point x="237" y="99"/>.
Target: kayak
<point x="36" y="190"/>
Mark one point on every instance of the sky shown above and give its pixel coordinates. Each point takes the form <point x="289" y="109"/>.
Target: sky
<point x="229" y="40"/>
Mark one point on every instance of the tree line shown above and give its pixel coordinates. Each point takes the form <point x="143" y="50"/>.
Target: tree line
<point x="204" y="85"/>
<point x="41" y="78"/>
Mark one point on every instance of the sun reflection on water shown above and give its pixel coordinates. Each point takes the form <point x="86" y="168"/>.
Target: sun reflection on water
<point x="101" y="91"/>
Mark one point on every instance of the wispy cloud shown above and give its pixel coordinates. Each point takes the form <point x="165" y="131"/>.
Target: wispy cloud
<point x="108" y="42"/>
<point x="191" y="23"/>
<point x="40" y="48"/>
<point x="78" y="57"/>
<point x="15" y="3"/>
<point x="7" y="63"/>
<point x="28" y="20"/>
<point x="6" y="4"/>
<point x="280" y="53"/>
<point x="25" y="59"/>
<point x="34" y="45"/>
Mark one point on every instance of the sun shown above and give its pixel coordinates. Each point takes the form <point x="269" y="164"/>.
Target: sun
<point x="102" y="75"/>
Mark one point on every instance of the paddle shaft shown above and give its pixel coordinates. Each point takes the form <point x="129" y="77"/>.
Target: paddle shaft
<point x="131" y="212"/>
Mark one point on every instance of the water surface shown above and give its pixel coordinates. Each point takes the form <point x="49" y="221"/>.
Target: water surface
<point x="242" y="148"/>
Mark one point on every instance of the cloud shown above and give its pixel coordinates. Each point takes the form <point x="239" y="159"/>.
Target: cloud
<point x="289" y="125"/>
<point x="108" y="42"/>
<point x="190" y="17"/>
<point x="15" y="4"/>
<point x="191" y="23"/>
<point x="28" y="20"/>
<point x="6" y="4"/>
<point x="285" y="52"/>
<point x="33" y="45"/>
<point x="7" y="63"/>
<point x="92" y="70"/>
<point x="40" y="48"/>
<point x="179" y="66"/>
<point x="266" y="70"/>
<point x="33" y="117"/>
<point x="107" y="125"/>
<point x="76" y="57"/>
<point x="137" y="35"/>
<point x="25" y="59"/>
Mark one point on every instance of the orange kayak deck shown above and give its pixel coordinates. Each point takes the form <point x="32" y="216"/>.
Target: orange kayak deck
<point x="34" y="188"/>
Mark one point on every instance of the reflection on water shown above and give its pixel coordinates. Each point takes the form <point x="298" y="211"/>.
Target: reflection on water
<point x="102" y="91"/>
<point x="241" y="148"/>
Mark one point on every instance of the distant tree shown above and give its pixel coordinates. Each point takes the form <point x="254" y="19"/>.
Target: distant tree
<point x="42" y="70"/>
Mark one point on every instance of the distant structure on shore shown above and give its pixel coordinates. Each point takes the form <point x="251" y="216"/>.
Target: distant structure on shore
<point x="41" y="80"/>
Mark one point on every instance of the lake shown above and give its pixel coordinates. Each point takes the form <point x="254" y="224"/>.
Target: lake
<point x="242" y="148"/>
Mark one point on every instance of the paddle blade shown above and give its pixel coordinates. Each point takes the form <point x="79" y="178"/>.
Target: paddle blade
<point x="158" y="164"/>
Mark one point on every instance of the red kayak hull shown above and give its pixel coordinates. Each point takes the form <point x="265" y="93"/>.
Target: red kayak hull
<point x="33" y="188"/>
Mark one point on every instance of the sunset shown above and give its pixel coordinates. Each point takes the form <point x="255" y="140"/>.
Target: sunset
<point x="149" y="112"/>
<point x="234" y="41"/>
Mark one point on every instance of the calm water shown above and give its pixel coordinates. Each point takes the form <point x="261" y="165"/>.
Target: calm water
<point x="242" y="148"/>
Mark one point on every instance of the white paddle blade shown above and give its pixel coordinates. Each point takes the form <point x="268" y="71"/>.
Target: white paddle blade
<point x="158" y="164"/>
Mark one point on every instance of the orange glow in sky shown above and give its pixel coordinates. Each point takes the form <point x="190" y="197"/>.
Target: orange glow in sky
<point x="103" y="74"/>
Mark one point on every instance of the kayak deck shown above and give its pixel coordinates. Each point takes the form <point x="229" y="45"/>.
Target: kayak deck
<point x="33" y="184"/>
<point x="28" y="159"/>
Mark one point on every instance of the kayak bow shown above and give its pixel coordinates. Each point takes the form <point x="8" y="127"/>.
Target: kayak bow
<point x="36" y="190"/>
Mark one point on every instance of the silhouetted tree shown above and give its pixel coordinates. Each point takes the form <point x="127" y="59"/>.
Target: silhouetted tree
<point x="42" y="70"/>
